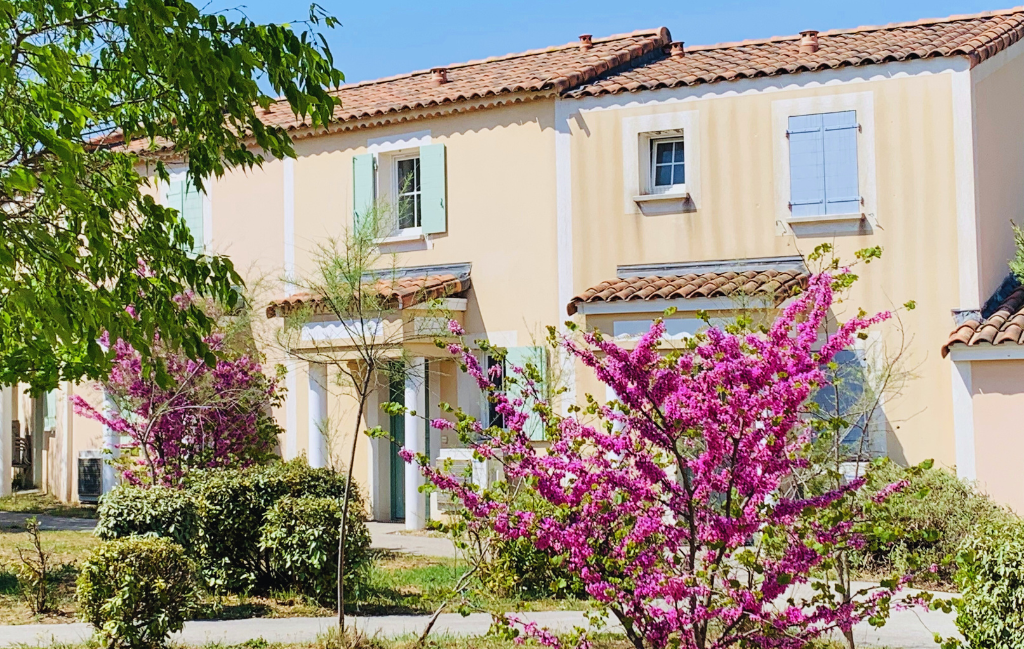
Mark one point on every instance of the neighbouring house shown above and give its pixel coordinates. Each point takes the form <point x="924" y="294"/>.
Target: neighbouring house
<point x="611" y="178"/>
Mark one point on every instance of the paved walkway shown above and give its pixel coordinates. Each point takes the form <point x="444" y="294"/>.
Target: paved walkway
<point x="15" y="522"/>
<point x="392" y="536"/>
<point x="905" y="630"/>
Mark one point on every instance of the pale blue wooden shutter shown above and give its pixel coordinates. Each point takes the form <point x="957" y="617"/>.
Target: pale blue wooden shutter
<point x="842" y="192"/>
<point x="174" y="196"/>
<point x="363" y="188"/>
<point x="806" y="165"/>
<point x="433" y="186"/>
<point x="521" y="357"/>
<point x="192" y="212"/>
<point x="50" y="410"/>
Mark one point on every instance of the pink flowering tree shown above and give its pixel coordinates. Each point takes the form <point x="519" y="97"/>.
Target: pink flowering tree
<point x="675" y="501"/>
<point x="211" y="414"/>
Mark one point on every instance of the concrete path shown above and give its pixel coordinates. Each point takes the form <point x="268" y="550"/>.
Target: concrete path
<point x="905" y="630"/>
<point x="392" y="536"/>
<point x="15" y="522"/>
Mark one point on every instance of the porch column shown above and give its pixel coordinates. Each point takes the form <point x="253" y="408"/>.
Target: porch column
<point x="6" y="440"/>
<point x="317" y="453"/>
<point x="111" y="438"/>
<point x="415" y="441"/>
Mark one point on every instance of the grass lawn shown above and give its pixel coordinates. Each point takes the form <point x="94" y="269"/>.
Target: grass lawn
<point x="36" y="503"/>
<point x="396" y="584"/>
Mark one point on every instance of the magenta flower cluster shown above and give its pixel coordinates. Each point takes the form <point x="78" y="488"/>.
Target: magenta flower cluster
<point x="206" y="417"/>
<point x="668" y="498"/>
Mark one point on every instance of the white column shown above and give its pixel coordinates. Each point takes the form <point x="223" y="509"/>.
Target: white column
<point x="317" y="453"/>
<point x="291" y="412"/>
<point x="415" y="441"/>
<point x="111" y="438"/>
<point x="6" y="445"/>
<point x="963" y="421"/>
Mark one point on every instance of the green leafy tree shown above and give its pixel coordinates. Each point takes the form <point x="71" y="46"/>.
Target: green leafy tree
<point x="83" y="245"/>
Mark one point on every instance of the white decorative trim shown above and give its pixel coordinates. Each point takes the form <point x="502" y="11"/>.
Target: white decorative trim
<point x="398" y="142"/>
<point x="782" y="109"/>
<point x="659" y="306"/>
<point x="563" y="229"/>
<point x="781" y="83"/>
<point x="675" y="328"/>
<point x="966" y="199"/>
<point x="497" y="338"/>
<point x="963" y="421"/>
<point x="340" y="329"/>
<point x="288" y="170"/>
<point x="637" y="133"/>
<point x="1008" y="352"/>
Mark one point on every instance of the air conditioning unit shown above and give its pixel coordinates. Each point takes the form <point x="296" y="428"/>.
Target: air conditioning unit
<point x="90" y="476"/>
<point x="484" y="474"/>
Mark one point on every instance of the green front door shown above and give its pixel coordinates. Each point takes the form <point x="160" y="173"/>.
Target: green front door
<point x="397" y="463"/>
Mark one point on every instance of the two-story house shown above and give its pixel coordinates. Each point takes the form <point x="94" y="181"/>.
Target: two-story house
<point x="611" y="178"/>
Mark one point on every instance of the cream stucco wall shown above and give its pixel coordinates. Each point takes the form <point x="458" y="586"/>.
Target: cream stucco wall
<point x="999" y="151"/>
<point x="915" y="221"/>
<point x="997" y="389"/>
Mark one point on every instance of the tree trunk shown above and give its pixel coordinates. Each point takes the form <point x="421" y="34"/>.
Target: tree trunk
<point x="344" y="506"/>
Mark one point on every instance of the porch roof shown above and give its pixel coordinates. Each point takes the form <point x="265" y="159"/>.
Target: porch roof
<point x="1002" y="323"/>
<point x="777" y="278"/>
<point x="406" y="287"/>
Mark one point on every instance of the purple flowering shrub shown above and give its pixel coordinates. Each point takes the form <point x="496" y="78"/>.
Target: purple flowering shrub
<point x="205" y="416"/>
<point x="670" y="499"/>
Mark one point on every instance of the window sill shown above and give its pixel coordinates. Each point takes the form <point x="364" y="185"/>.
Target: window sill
<point x="829" y="225"/>
<point x="674" y="202"/>
<point x="403" y="236"/>
<point x="826" y="218"/>
<point x="406" y="240"/>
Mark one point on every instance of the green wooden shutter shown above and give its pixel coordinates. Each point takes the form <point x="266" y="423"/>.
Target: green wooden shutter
<point x="175" y="194"/>
<point x="192" y="212"/>
<point x="521" y="357"/>
<point x="363" y="194"/>
<point x="50" y="410"/>
<point x="434" y="187"/>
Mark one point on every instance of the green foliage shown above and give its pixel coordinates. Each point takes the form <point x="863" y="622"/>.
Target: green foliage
<point x="137" y="591"/>
<point x="920" y="528"/>
<point x="1017" y="263"/>
<point x="81" y="240"/>
<point x="219" y="517"/>
<point x="157" y="511"/>
<point x="990" y="609"/>
<point x="301" y="537"/>
<point x="38" y="573"/>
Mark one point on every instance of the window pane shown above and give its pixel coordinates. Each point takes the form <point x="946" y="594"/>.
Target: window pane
<point x="679" y="151"/>
<point x="407" y="212"/>
<point x="664" y="153"/>
<point x="679" y="175"/>
<point x="408" y="175"/>
<point x="663" y="175"/>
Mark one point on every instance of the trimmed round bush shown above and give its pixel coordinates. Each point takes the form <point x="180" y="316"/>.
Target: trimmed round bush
<point x="157" y="511"/>
<point x="137" y="591"/>
<point x="990" y="578"/>
<point x="219" y="516"/>
<point x="301" y="537"/>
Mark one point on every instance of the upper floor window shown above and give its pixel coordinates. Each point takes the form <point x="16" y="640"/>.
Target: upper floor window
<point x="823" y="164"/>
<point x="409" y="192"/>
<point x="182" y="196"/>
<point x="668" y="164"/>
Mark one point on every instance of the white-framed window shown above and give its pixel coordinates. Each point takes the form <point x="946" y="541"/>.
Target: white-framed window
<point x="668" y="165"/>
<point x="407" y="188"/>
<point x="823" y="164"/>
<point x="192" y="205"/>
<point x="823" y="155"/>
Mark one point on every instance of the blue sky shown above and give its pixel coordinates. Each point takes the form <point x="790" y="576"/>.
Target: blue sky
<point x="385" y="37"/>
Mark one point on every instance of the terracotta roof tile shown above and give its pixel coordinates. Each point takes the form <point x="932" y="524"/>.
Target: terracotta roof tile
<point x="404" y="291"/>
<point x="977" y="37"/>
<point x="1005" y="326"/>
<point x="552" y="70"/>
<point x="775" y="283"/>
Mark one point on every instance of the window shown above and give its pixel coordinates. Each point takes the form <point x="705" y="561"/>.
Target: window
<point x="849" y="398"/>
<point x="823" y="164"/>
<point x="408" y="191"/>
<point x="668" y="164"/>
<point x="495" y="418"/>
<point x="188" y="202"/>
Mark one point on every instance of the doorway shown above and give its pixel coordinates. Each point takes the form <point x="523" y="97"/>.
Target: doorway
<point x="397" y="464"/>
